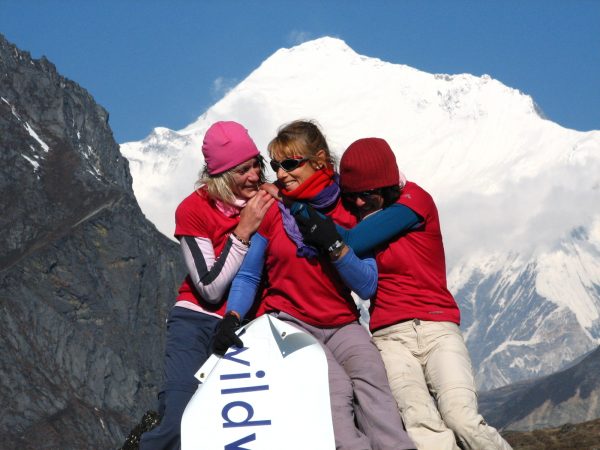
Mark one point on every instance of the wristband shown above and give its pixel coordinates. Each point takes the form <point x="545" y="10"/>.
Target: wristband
<point x="243" y="241"/>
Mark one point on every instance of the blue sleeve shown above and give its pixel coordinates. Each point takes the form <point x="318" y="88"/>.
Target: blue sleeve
<point x="379" y="228"/>
<point x="246" y="282"/>
<point x="360" y="275"/>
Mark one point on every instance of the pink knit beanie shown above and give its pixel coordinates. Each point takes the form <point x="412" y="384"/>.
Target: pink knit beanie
<point x="227" y="144"/>
<point x="367" y="164"/>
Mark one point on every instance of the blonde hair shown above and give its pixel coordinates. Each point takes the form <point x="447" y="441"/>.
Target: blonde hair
<point x="221" y="186"/>
<point x="300" y="138"/>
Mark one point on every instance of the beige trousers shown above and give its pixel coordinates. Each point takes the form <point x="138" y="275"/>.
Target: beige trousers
<point x="430" y="374"/>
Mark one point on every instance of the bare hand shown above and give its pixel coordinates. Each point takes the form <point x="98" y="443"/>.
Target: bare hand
<point x="252" y="214"/>
<point x="271" y="189"/>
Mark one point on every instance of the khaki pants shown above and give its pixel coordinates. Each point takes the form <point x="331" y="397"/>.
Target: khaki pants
<point x="430" y="374"/>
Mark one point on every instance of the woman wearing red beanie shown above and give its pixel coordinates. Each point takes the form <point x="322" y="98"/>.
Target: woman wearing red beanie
<point x="213" y="225"/>
<point x="307" y="290"/>
<point x="414" y="318"/>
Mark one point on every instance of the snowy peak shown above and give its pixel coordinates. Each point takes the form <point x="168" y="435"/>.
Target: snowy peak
<point x="462" y="95"/>
<point x="325" y="46"/>
<point x="367" y="95"/>
<point x="510" y="185"/>
<point x="162" y="139"/>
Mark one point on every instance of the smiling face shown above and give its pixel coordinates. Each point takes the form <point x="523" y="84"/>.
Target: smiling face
<point x="291" y="179"/>
<point x="246" y="179"/>
<point x="300" y="141"/>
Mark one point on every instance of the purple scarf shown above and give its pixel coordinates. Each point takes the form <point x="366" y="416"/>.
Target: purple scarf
<point x="327" y="197"/>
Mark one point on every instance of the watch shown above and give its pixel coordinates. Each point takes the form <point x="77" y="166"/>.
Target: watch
<point x="335" y="249"/>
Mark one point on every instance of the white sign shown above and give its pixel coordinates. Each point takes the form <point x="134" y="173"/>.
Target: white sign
<point x="272" y="394"/>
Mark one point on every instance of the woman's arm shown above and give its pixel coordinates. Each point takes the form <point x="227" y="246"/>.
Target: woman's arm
<point x="377" y="229"/>
<point x="246" y="282"/>
<point x="380" y="228"/>
<point x="360" y="275"/>
<point x="241" y="296"/>
<point x="211" y="276"/>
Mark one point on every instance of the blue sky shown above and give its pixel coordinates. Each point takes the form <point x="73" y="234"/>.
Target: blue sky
<point x="163" y="63"/>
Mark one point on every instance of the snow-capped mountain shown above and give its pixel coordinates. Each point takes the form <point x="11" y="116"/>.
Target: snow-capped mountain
<point x="519" y="196"/>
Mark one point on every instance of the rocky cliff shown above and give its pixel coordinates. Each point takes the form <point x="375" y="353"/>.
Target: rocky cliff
<point x="85" y="280"/>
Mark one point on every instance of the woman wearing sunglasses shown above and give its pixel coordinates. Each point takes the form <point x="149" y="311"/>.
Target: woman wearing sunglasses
<point x="414" y="318"/>
<point x="307" y="289"/>
<point x="213" y="225"/>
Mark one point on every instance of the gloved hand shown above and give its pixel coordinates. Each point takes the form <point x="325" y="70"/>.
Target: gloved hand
<point x="225" y="336"/>
<point x="316" y="230"/>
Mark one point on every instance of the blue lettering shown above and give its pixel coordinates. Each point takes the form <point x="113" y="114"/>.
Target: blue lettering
<point x="244" y="440"/>
<point x="235" y="376"/>
<point x="247" y="422"/>
<point x="230" y="356"/>
<point x="264" y="387"/>
<point x="238" y="376"/>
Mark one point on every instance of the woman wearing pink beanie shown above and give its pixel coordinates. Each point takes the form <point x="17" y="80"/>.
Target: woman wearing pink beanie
<point x="414" y="318"/>
<point x="214" y="225"/>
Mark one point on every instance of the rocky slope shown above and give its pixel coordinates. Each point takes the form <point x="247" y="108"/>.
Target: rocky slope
<point x="581" y="436"/>
<point x="85" y="280"/>
<point x="569" y="396"/>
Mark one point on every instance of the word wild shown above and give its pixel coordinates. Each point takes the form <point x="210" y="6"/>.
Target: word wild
<point x="233" y="385"/>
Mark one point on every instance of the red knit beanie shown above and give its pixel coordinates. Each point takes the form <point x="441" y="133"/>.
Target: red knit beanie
<point x="367" y="164"/>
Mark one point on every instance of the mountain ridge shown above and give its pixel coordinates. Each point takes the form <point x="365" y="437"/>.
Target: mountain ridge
<point x="86" y="281"/>
<point x="568" y="396"/>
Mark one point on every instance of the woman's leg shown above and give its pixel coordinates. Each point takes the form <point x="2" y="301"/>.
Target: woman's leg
<point x="347" y="436"/>
<point x="376" y="410"/>
<point x="189" y="334"/>
<point x="449" y="374"/>
<point x="402" y="352"/>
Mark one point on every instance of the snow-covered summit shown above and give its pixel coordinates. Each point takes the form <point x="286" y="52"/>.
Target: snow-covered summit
<point x="511" y="185"/>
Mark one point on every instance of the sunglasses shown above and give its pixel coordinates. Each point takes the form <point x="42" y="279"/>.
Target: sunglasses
<point x="287" y="164"/>
<point x="364" y="195"/>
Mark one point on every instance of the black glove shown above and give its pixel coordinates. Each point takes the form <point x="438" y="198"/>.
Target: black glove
<point x="318" y="231"/>
<point x="225" y="336"/>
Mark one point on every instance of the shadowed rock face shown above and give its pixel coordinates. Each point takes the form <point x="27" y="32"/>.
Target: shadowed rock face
<point x="569" y="396"/>
<point x="86" y="281"/>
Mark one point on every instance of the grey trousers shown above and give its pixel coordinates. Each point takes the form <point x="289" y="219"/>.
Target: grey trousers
<point x="358" y="389"/>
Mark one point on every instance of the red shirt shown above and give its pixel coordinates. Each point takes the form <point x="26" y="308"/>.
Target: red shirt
<point x="308" y="289"/>
<point x="412" y="270"/>
<point x="197" y="216"/>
